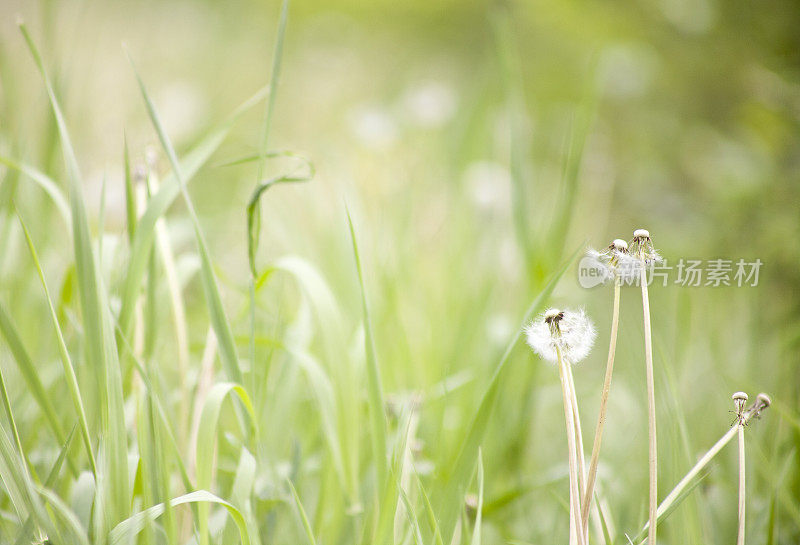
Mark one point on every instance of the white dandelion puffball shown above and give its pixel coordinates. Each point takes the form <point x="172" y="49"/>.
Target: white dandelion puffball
<point x="571" y="331"/>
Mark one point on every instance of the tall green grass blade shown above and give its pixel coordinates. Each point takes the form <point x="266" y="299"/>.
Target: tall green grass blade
<point x="411" y="515"/>
<point x="130" y="194"/>
<point x="603" y="525"/>
<point x="98" y="333"/>
<point x="377" y="411"/>
<point x="10" y="414"/>
<point x="162" y="200"/>
<point x="30" y="374"/>
<point x="430" y="513"/>
<point x="476" y="531"/>
<point x="66" y="362"/>
<point x="219" y="321"/>
<point x="125" y="531"/>
<point x="302" y="513"/>
<point x="452" y="498"/>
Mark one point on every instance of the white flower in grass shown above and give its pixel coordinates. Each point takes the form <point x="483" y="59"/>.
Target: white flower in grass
<point x="615" y="261"/>
<point x="641" y="247"/>
<point x="571" y="331"/>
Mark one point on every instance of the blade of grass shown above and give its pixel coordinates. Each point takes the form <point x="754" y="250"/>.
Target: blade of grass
<point x="219" y="321"/>
<point x="30" y="374"/>
<point x="302" y="513"/>
<point x="66" y="362"/>
<point x="49" y="186"/>
<point x="476" y="531"/>
<point x="126" y="531"/>
<point x="206" y="440"/>
<point x="377" y="410"/>
<point x="98" y="333"/>
<point x="162" y="200"/>
<point x="130" y="194"/>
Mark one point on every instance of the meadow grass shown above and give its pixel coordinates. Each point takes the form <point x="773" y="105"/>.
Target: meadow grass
<point x="157" y="396"/>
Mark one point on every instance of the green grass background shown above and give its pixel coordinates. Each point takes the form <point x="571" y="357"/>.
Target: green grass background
<point x="477" y="147"/>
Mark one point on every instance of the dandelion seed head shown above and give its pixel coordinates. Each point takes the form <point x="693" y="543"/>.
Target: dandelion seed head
<point x="641" y="233"/>
<point x="570" y="331"/>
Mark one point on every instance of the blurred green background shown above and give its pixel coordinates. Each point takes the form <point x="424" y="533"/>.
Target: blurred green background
<point x="478" y="145"/>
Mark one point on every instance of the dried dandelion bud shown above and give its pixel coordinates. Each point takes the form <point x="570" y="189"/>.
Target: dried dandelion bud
<point x="762" y="402"/>
<point x="642" y="248"/>
<point x="739" y="399"/>
<point x="569" y="331"/>
<point x="614" y="261"/>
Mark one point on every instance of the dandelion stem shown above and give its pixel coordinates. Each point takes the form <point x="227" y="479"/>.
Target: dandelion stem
<point x="740" y="430"/>
<point x="601" y="419"/>
<point x="575" y="512"/>
<point x="703" y="462"/>
<point x="651" y="410"/>
<point x="576" y="422"/>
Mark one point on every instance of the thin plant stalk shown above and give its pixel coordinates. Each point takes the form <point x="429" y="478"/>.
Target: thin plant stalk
<point x="740" y="433"/>
<point x="601" y="418"/>
<point x="576" y="419"/>
<point x="575" y="512"/>
<point x="651" y="411"/>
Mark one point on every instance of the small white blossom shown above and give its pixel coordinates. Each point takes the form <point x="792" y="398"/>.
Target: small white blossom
<point x="571" y="331"/>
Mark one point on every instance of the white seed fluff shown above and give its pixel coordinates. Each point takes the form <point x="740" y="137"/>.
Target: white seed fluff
<point x="569" y="330"/>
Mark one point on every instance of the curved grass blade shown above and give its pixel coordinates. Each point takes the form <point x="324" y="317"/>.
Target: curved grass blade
<point x="73" y="525"/>
<point x="49" y="186"/>
<point x="126" y="530"/>
<point x="206" y="439"/>
<point x="253" y="207"/>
